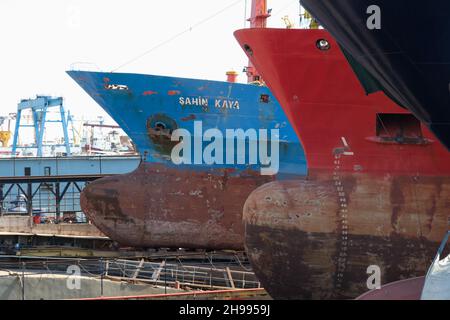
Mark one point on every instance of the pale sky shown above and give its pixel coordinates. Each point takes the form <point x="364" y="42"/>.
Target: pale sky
<point x="40" y="40"/>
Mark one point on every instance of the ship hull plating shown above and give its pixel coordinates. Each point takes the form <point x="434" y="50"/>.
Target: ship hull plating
<point x="377" y="193"/>
<point x="403" y="45"/>
<point x="188" y="205"/>
<point x="303" y="247"/>
<point x="156" y="206"/>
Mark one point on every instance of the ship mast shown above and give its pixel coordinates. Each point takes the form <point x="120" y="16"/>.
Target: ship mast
<point x="258" y="19"/>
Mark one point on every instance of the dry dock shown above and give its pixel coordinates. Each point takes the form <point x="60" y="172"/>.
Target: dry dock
<point x="170" y="276"/>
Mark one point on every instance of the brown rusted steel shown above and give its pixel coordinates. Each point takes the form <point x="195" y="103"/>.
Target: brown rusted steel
<point x="159" y="206"/>
<point x="378" y="185"/>
<point x="302" y="247"/>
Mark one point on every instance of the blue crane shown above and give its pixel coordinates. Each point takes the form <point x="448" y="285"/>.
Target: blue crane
<point x="39" y="108"/>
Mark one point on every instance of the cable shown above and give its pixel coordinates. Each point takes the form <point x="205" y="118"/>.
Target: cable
<point x="242" y="265"/>
<point x="177" y="35"/>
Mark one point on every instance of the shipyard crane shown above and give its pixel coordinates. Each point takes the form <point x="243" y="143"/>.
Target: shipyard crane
<point x="4" y="138"/>
<point x="39" y="108"/>
<point x="288" y="22"/>
<point x="4" y="135"/>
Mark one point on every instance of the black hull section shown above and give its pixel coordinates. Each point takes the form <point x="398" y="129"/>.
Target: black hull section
<point x="409" y="57"/>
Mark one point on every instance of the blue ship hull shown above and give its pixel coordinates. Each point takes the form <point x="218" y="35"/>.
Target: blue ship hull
<point x="163" y="204"/>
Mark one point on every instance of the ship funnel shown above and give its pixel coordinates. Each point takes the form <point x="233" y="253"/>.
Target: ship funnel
<point x="232" y="76"/>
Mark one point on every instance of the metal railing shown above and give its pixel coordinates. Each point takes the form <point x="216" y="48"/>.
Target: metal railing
<point x="219" y="274"/>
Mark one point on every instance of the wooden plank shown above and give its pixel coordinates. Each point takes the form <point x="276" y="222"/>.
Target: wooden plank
<point x="107" y="268"/>
<point x="157" y="273"/>
<point x="197" y="295"/>
<point x="230" y="278"/>
<point x="138" y="269"/>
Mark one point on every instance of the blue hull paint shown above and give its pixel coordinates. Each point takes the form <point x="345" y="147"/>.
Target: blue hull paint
<point x="139" y="102"/>
<point x="161" y="204"/>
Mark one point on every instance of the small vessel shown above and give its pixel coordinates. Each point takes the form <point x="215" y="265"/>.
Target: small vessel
<point x="378" y="184"/>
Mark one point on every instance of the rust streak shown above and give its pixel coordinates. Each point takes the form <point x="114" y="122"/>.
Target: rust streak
<point x="149" y="93"/>
<point x="190" y="117"/>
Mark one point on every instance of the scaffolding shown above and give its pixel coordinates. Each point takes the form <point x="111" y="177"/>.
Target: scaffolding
<point x="62" y="193"/>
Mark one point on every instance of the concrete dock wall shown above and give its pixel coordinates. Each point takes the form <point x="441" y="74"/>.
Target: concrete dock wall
<point x="24" y="225"/>
<point x="53" y="287"/>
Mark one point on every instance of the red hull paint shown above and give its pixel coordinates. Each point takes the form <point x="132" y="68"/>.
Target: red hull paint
<point x="409" y="289"/>
<point x="377" y="192"/>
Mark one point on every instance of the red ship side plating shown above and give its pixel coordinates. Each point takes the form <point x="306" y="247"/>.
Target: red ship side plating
<point x="378" y="187"/>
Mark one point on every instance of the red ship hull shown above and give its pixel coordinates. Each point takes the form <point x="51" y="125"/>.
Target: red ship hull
<point x="378" y="186"/>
